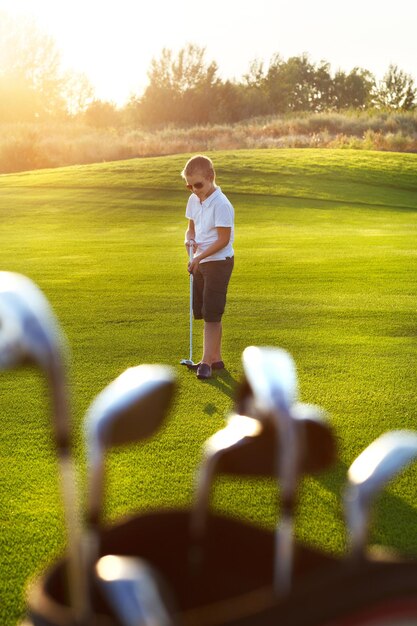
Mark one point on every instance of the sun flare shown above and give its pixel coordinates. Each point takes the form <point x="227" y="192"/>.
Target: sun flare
<point x="96" y="40"/>
<point x="113" y="42"/>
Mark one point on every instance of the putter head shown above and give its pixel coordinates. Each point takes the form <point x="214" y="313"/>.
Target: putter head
<point x="379" y="463"/>
<point x="135" y="591"/>
<point x="187" y="362"/>
<point x="128" y="410"/>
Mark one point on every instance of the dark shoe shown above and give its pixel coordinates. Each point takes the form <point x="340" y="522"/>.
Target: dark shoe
<point x="218" y="365"/>
<point x="204" y="371"/>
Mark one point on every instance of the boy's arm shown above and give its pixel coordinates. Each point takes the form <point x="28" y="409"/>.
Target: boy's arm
<point x="190" y="235"/>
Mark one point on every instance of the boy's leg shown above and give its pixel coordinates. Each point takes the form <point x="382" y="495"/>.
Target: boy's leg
<point x="212" y="342"/>
<point x="216" y="279"/>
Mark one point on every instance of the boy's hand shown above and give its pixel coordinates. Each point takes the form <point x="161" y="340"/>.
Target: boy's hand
<point x="189" y="243"/>
<point x="193" y="265"/>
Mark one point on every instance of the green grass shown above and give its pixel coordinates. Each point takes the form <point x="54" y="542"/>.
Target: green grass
<point x="326" y="267"/>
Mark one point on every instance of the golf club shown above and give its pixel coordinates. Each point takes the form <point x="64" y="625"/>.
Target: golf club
<point x="135" y="591"/>
<point x="239" y="428"/>
<point x="256" y="455"/>
<point x="272" y="377"/>
<point x="189" y="362"/>
<point x="247" y="446"/>
<point x="30" y="334"/>
<point x="129" y="409"/>
<point x="380" y="462"/>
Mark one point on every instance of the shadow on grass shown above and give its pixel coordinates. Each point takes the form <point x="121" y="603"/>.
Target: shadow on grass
<point x="224" y="382"/>
<point x="210" y="409"/>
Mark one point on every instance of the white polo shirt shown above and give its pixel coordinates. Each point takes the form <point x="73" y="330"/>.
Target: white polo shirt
<point x="214" y="212"/>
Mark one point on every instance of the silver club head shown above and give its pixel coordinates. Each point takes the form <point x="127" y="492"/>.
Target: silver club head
<point x="238" y="429"/>
<point x="249" y="447"/>
<point x="30" y="335"/>
<point x="312" y="412"/>
<point x="29" y="331"/>
<point x="134" y="591"/>
<point x="272" y="376"/>
<point x="187" y="362"/>
<point x="230" y="443"/>
<point x="128" y="410"/>
<point x="379" y="463"/>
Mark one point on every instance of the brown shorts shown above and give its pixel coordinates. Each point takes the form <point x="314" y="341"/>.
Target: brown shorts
<point x="210" y="284"/>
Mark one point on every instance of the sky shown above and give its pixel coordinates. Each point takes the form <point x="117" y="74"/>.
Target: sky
<point x="113" y="41"/>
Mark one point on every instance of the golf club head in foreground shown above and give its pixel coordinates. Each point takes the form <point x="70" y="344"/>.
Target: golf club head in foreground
<point x="379" y="463"/>
<point x="30" y="335"/>
<point x="256" y="456"/>
<point x="272" y="378"/>
<point x="238" y="430"/>
<point x="135" y="592"/>
<point x="128" y="410"/>
<point x="247" y="447"/>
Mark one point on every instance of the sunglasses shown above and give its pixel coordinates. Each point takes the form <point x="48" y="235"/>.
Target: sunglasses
<point x="195" y="186"/>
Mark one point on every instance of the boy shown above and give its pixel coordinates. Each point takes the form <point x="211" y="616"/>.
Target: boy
<point x="210" y="232"/>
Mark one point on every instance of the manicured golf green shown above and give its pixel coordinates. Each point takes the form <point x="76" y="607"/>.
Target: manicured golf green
<point x="326" y="266"/>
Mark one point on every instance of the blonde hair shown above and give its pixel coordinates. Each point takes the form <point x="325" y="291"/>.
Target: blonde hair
<point x="199" y="163"/>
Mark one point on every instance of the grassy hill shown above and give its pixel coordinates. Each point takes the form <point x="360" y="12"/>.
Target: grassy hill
<point x="325" y="267"/>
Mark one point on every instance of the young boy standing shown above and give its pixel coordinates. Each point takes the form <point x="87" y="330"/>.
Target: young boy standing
<point x="210" y="232"/>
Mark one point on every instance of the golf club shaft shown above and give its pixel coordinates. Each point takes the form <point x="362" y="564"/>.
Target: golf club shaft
<point x="287" y="465"/>
<point x="57" y="377"/>
<point x="76" y="578"/>
<point x="284" y="554"/>
<point x="191" y="254"/>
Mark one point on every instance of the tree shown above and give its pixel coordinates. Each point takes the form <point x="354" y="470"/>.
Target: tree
<point x="101" y="114"/>
<point x="320" y="87"/>
<point x="353" y="90"/>
<point x="29" y="78"/>
<point x="297" y="84"/>
<point x="256" y="75"/>
<point x="396" y="91"/>
<point x="77" y="93"/>
<point x="179" y="88"/>
<point x="254" y="96"/>
<point x="33" y="86"/>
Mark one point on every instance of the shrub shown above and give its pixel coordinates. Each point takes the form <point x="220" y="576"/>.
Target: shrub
<point x="33" y="146"/>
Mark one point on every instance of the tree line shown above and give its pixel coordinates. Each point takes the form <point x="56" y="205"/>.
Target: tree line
<point x="184" y="89"/>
